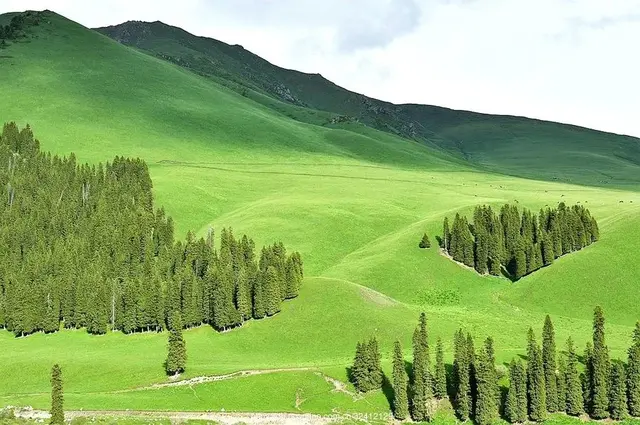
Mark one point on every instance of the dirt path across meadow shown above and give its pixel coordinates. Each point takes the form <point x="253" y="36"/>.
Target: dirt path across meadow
<point x="226" y="418"/>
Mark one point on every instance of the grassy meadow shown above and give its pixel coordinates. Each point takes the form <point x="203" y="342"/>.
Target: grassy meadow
<point x="352" y="200"/>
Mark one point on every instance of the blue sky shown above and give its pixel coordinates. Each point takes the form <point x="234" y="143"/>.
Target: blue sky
<point x="573" y="61"/>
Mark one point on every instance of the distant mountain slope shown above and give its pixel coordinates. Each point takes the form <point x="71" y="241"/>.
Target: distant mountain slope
<point x="511" y="145"/>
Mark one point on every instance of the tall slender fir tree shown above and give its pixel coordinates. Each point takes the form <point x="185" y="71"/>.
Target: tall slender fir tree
<point x="574" y="398"/>
<point x="549" y="363"/>
<point x="600" y="368"/>
<point x="440" y="375"/>
<point x="400" y="382"/>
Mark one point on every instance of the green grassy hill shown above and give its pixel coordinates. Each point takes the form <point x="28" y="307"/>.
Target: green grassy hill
<point x="353" y="200"/>
<point x="513" y="145"/>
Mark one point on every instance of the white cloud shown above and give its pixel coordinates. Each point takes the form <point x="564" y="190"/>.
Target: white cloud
<point x="563" y="60"/>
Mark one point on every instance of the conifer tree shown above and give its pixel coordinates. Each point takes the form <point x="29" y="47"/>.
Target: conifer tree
<point x="486" y="407"/>
<point x="618" y="392"/>
<point x="600" y="368"/>
<point x="461" y="365"/>
<point x="400" y="400"/>
<point x="421" y="388"/>
<point x="516" y="403"/>
<point x="375" y="376"/>
<point x="440" y="375"/>
<point x="57" y="397"/>
<point x="633" y="374"/>
<point x="520" y="261"/>
<point x="511" y="402"/>
<point x="471" y="357"/>
<point x="425" y="242"/>
<point x="243" y="295"/>
<point x="587" y="378"/>
<point x="360" y="368"/>
<point x="535" y="381"/>
<point x="446" y="236"/>
<point x="549" y="363"/>
<point x="574" y="398"/>
<point x="272" y="291"/>
<point x="177" y="352"/>
<point x="561" y="381"/>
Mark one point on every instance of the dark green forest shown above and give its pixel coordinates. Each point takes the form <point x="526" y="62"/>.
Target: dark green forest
<point x="83" y="245"/>
<point x="517" y="243"/>
<point x="550" y="380"/>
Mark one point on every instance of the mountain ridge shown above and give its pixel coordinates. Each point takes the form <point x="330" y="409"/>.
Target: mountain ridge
<point x="119" y="31"/>
<point x="495" y="142"/>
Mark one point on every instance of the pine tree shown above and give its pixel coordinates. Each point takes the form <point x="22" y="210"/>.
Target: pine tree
<point x="360" y="368"/>
<point x="587" y="378"/>
<point x="446" y="236"/>
<point x="520" y="262"/>
<point x="57" y="397"/>
<point x="511" y="403"/>
<point x="574" y="399"/>
<point x="440" y="375"/>
<point x="471" y="356"/>
<point x="633" y="374"/>
<point x="618" y="392"/>
<point x="549" y="363"/>
<point x="463" y="400"/>
<point x="600" y="368"/>
<point x="561" y="384"/>
<point x="491" y="356"/>
<point x="486" y="407"/>
<point x="535" y="381"/>
<point x="177" y="352"/>
<point x="243" y="295"/>
<point x="272" y="291"/>
<point x="400" y="400"/>
<point x="516" y="403"/>
<point x="375" y="376"/>
<point x="421" y="388"/>
<point x="425" y="242"/>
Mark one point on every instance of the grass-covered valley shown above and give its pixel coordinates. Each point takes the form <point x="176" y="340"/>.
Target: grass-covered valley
<point x="352" y="197"/>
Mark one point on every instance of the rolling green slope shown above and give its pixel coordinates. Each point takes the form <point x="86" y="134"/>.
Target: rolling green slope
<point x="353" y="200"/>
<point x="511" y="145"/>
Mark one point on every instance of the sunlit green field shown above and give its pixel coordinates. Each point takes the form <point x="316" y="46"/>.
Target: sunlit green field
<point x="353" y="201"/>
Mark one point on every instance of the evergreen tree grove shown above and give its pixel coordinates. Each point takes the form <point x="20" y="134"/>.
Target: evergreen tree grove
<point x="521" y="242"/>
<point x="366" y="372"/>
<point x="85" y="246"/>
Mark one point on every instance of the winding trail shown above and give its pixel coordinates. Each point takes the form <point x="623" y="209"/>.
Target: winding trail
<point x="226" y="418"/>
<point x="213" y="378"/>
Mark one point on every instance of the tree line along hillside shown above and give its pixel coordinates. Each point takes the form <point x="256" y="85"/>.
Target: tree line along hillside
<point x="83" y="245"/>
<point x="550" y="381"/>
<point x="518" y="243"/>
<point x="17" y="26"/>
